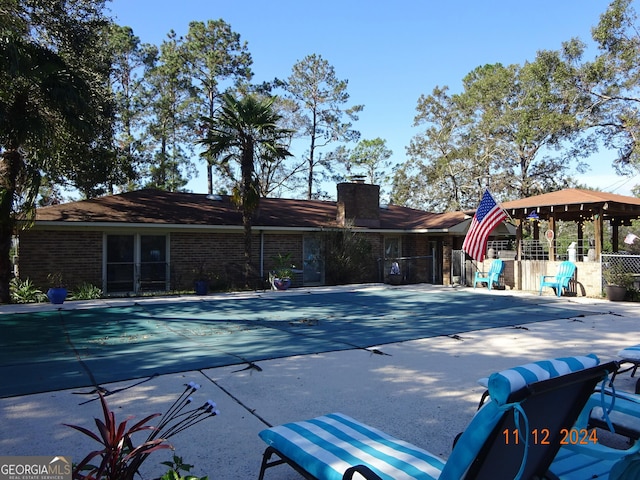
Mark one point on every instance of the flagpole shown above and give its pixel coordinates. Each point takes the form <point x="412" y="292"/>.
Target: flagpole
<point x="505" y="211"/>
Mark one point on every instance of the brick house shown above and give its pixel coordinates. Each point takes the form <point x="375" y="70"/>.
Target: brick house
<point x="151" y="240"/>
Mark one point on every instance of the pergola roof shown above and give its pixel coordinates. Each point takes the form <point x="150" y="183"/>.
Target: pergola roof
<point x="575" y="205"/>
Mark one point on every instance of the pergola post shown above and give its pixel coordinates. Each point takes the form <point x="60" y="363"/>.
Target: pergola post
<point x="614" y="234"/>
<point x="598" y="232"/>
<point x="581" y="251"/>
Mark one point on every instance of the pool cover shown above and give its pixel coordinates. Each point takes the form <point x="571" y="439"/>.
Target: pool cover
<point x="73" y="348"/>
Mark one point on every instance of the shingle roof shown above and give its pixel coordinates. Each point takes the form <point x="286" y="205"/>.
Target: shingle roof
<point x="172" y="208"/>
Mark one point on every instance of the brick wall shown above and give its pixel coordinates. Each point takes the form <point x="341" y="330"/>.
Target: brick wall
<point x="76" y="255"/>
<point x="358" y="204"/>
<point x="221" y="255"/>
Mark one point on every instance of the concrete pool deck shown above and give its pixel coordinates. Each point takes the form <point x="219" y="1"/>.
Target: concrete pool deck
<point x="423" y="390"/>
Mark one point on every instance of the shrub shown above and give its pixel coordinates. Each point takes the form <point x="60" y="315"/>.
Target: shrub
<point x="24" y="291"/>
<point x="175" y="467"/>
<point x="349" y="258"/>
<point x="85" y="291"/>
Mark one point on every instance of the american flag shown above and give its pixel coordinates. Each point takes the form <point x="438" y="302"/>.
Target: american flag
<point x="488" y="216"/>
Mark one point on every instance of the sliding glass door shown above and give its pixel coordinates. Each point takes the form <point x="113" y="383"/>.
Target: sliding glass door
<point x="120" y="264"/>
<point x="136" y="263"/>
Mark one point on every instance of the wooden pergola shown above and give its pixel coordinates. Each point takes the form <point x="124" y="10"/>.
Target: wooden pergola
<point x="575" y="205"/>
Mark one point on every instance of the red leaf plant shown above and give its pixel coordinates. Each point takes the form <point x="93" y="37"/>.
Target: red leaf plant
<point x="120" y="459"/>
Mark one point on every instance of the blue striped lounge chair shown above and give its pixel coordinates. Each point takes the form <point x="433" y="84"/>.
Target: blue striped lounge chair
<point x="523" y="399"/>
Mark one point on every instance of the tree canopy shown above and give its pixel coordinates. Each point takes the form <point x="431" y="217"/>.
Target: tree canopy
<point x="320" y="113"/>
<point x="509" y="129"/>
<point x="55" y="106"/>
<point x="85" y="105"/>
<point x="611" y="83"/>
<point x="523" y="129"/>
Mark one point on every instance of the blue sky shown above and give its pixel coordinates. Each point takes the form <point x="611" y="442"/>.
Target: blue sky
<point x="390" y="52"/>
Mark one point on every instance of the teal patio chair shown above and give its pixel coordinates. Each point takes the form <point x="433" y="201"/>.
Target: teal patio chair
<point x="583" y="456"/>
<point x="550" y="395"/>
<point x="631" y="355"/>
<point x="561" y="279"/>
<point x="492" y="276"/>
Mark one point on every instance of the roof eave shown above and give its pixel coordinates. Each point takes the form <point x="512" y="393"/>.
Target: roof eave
<point x="455" y="229"/>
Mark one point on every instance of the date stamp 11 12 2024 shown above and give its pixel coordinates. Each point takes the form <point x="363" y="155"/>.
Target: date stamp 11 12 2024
<point x="542" y="436"/>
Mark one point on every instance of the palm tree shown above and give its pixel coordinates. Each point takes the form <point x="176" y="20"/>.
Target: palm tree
<point x="242" y="131"/>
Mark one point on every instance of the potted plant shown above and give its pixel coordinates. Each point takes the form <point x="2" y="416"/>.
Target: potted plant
<point x="57" y="293"/>
<point x="618" y="281"/>
<point x="201" y="282"/>
<point x="282" y="273"/>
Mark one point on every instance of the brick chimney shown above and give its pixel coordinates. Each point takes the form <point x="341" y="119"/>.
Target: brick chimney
<point x="358" y="204"/>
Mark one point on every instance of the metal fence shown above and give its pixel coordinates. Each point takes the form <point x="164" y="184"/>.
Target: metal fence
<point x="129" y="277"/>
<point x="563" y="249"/>
<point x="628" y="265"/>
<point x="458" y="270"/>
<point x="406" y="270"/>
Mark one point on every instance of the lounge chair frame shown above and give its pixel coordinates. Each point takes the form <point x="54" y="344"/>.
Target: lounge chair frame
<point x="496" y="459"/>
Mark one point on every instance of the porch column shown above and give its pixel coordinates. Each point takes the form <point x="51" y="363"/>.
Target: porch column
<point x="447" y="248"/>
<point x="519" y="223"/>
<point x="552" y="245"/>
<point x="614" y="234"/>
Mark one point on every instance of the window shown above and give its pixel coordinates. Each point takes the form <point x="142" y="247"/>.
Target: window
<point x="313" y="262"/>
<point x="392" y="247"/>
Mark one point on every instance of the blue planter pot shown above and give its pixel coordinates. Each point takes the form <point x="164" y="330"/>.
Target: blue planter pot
<point x="282" y="283"/>
<point x="57" y="295"/>
<point x="201" y="287"/>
